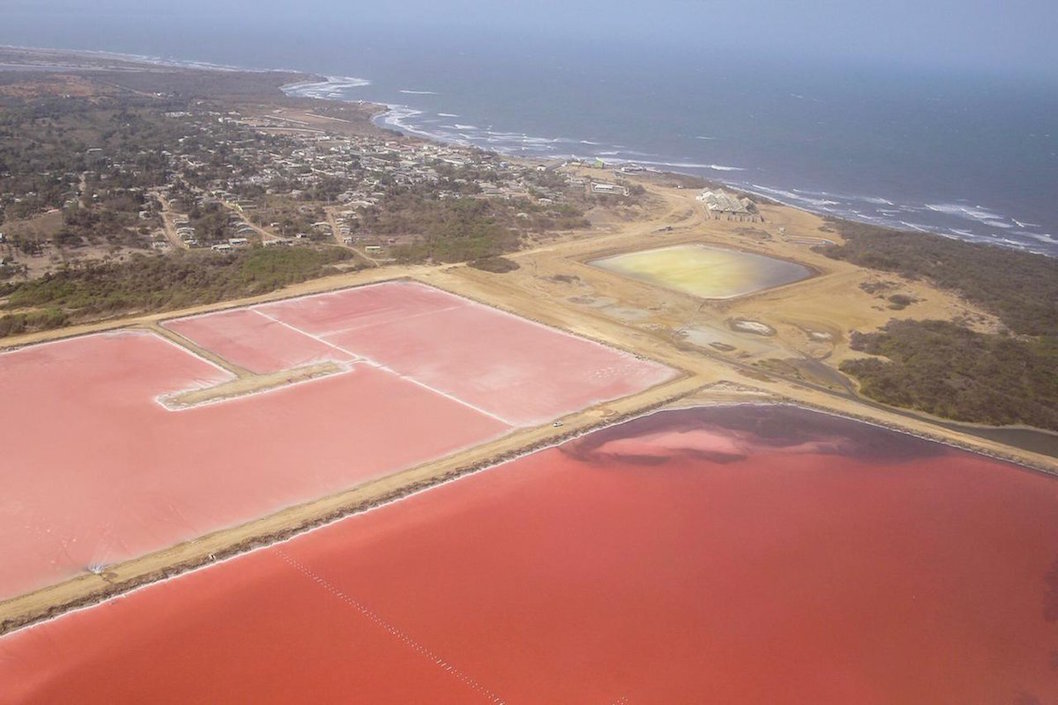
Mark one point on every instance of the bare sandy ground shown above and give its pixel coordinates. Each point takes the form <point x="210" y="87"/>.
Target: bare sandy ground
<point x="556" y="286"/>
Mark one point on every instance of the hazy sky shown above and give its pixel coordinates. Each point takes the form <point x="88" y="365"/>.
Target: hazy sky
<point x="989" y="34"/>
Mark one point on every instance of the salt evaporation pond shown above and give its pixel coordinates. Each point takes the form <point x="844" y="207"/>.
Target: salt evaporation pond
<point x="749" y="554"/>
<point x="97" y="471"/>
<point x="706" y="272"/>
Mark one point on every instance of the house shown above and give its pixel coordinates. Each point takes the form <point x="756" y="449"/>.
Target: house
<point x="608" y="189"/>
<point x="722" y="204"/>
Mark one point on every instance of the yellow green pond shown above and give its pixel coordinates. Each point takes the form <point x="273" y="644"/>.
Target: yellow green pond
<point x="706" y="272"/>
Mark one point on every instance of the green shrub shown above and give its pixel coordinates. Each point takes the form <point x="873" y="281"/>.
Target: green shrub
<point x="497" y="265"/>
<point x="945" y="369"/>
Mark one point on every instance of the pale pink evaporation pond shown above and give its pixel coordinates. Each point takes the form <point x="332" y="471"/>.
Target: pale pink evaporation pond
<point x="254" y="341"/>
<point x="98" y="471"/>
<point x="516" y="370"/>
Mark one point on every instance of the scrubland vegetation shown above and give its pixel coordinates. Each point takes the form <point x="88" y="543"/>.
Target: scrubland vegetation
<point x="943" y="367"/>
<point x="149" y="283"/>
<point x="1019" y="287"/>
<point x="948" y="370"/>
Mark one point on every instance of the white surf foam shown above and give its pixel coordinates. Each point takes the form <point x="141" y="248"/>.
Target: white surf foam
<point x="689" y="165"/>
<point x="797" y="198"/>
<point x="964" y="211"/>
<point x="1043" y="237"/>
<point x="333" y="88"/>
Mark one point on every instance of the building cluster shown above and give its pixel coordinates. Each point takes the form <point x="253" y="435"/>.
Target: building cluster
<point x="202" y="178"/>
<point x="727" y="206"/>
<point x="251" y="159"/>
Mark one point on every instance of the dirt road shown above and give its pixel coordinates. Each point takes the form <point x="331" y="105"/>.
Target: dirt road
<point x="169" y="223"/>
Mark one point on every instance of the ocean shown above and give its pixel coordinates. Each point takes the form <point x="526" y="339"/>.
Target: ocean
<point x="969" y="156"/>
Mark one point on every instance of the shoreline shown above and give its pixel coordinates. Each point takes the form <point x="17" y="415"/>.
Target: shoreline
<point x="815" y="202"/>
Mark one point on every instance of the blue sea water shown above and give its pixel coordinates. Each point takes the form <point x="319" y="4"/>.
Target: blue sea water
<point x="966" y="155"/>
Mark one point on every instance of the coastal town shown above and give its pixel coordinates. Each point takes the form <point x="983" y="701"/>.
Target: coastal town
<point x="207" y="178"/>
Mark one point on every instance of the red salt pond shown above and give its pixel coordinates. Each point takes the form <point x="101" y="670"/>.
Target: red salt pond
<point x="741" y="554"/>
<point x="447" y="343"/>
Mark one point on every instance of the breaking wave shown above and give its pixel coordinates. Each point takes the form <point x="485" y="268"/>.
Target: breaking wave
<point x="333" y="88"/>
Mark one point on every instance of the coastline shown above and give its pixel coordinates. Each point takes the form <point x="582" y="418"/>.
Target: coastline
<point x="960" y="217"/>
<point x="960" y="220"/>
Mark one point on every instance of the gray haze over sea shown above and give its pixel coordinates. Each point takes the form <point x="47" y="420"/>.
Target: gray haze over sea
<point x="965" y="149"/>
